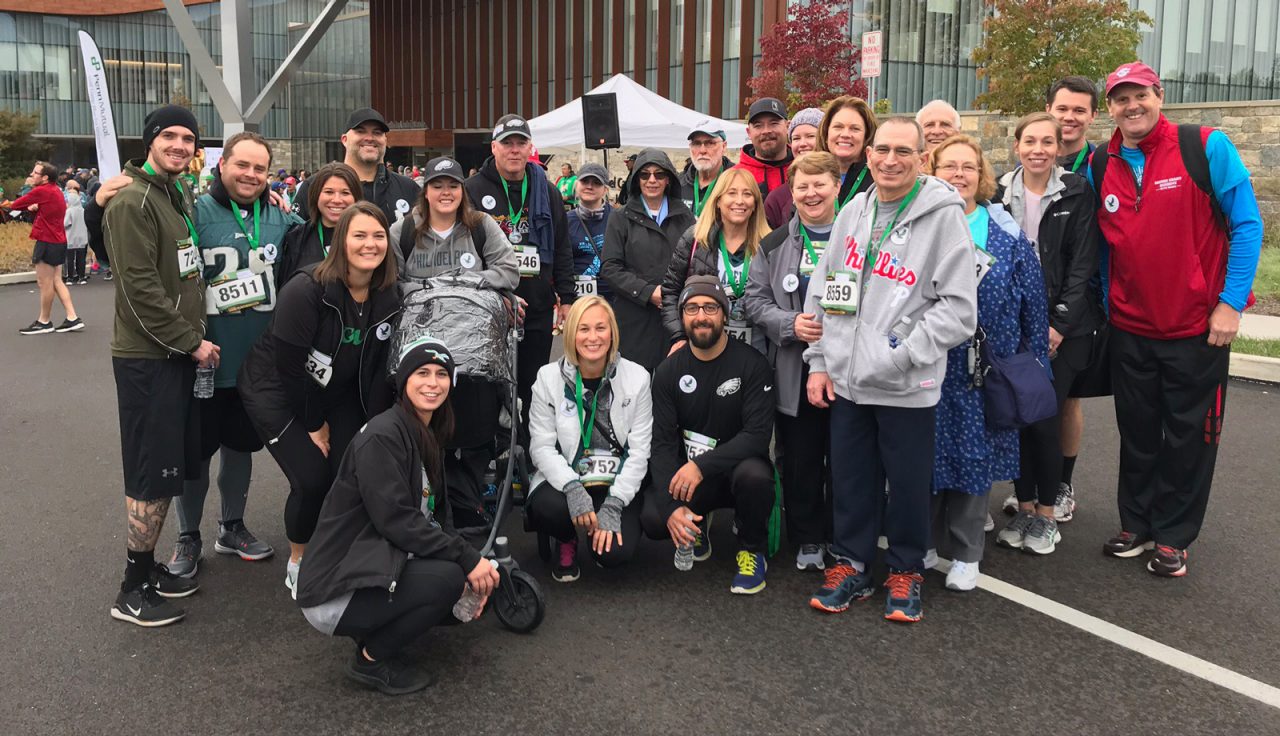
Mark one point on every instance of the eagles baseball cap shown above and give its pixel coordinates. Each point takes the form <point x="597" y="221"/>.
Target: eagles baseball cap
<point x="509" y="125"/>
<point x="767" y="106"/>
<point x="595" y="171"/>
<point x="366" y="115"/>
<point x="1135" y="72"/>
<point x="443" y="166"/>
<point x="707" y="127"/>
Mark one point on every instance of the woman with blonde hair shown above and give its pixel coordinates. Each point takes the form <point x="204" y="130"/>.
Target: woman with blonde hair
<point x="721" y="243"/>
<point x="590" y="426"/>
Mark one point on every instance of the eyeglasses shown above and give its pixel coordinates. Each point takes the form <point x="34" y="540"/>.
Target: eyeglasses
<point x="711" y="309"/>
<point x="900" y="151"/>
<point x="950" y="168"/>
<point x="652" y="174"/>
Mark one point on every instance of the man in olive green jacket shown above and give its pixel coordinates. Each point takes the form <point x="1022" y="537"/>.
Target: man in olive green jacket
<point x="156" y="345"/>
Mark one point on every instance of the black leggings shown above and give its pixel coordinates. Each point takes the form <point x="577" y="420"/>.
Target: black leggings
<point x="384" y="624"/>
<point x="804" y="443"/>
<point x="549" y="513"/>
<point x="1040" y="445"/>
<point x="309" y="472"/>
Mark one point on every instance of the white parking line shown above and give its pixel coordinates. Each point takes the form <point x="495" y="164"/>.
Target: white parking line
<point x="1192" y="665"/>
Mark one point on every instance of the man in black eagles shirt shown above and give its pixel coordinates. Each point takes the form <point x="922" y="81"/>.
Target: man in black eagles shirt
<point x="712" y="420"/>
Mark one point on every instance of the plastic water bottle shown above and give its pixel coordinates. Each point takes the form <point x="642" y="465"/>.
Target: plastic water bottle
<point x="684" y="553"/>
<point x="203" y="388"/>
<point x="469" y="604"/>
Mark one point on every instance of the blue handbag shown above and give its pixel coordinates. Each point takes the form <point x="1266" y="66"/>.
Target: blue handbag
<point x="1017" y="389"/>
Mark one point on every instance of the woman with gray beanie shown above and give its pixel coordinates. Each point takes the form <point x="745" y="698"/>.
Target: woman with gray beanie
<point x="803" y="134"/>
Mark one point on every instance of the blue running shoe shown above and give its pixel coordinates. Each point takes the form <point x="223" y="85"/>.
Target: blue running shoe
<point x="903" y="602"/>
<point x="841" y="585"/>
<point x="702" y="545"/>
<point x="750" y="577"/>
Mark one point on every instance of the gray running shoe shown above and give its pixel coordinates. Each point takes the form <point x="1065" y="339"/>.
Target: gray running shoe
<point x="186" y="557"/>
<point x="810" y="557"/>
<point x="1064" y="507"/>
<point x="1042" y="536"/>
<point x="238" y="540"/>
<point x="1012" y="534"/>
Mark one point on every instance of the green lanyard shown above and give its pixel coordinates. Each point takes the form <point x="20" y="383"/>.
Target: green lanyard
<point x="255" y="237"/>
<point x="513" y="215"/>
<point x="736" y="284"/>
<point x="587" y="428"/>
<point x="191" y="226"/>
<point x="1080" y="158"/>
<point x="320" y="232"/>
<point x="808" y="245"/>
<point x="873" y="249"/>
<point x="698" y="194"/>
<point x="856" y="183"/>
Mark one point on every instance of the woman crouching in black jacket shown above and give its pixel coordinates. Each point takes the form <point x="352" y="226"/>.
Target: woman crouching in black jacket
<point x="318" y="373"/>
<point x="385" y="565"/>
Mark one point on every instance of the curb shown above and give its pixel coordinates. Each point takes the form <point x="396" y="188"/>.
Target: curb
<point x="17" y="278"/>
<point x="1255" y="368"/>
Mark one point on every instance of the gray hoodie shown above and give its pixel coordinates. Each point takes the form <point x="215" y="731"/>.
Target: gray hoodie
<point x="433" y="255"/>
<point x="922" y="300"/>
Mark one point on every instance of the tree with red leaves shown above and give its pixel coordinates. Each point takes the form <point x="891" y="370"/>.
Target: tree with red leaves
<point x="809" y="58"/>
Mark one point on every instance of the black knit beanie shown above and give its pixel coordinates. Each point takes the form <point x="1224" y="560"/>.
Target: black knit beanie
<point x="164" y="117"/>
<point x="420" y="352"/>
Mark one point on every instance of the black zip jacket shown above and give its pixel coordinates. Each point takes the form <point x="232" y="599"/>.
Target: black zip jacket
<point x="301" y="248"/>
<point x="371" y="521"/>
<point x="557" y="276"/>
<point x="702" y="263"/>
<point x="387" y="190"/>
<point x="1068" y="242"/>
<point x="273" y="382"/>
<point x="689" y="178"/>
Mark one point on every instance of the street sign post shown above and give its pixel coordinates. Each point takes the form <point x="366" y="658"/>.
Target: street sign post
<point x="872" y="54"/>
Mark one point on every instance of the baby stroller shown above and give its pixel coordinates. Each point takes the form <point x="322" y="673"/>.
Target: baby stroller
<point x="478" y="326"/>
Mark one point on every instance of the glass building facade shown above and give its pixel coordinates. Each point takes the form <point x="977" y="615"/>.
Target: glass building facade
<point x="147" y="66"/>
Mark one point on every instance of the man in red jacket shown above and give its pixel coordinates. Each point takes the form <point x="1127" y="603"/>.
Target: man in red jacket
<point x="46" y="200"/>
<point x="767" y="156"/>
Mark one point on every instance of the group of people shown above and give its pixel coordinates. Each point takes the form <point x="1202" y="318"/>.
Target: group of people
<point x="810" y="337"/>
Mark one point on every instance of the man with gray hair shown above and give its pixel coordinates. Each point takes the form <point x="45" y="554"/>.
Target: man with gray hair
<point x="707" y="143"/>
<point x="940" y="121"/>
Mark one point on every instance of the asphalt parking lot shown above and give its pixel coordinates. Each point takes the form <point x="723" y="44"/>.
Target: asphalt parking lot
<point x="643" y="651"/>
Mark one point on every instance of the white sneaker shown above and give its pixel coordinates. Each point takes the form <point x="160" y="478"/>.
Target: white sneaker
<point x="930" y="558"/>
<point x="963" y="576"/>
<point x="990" y="524"/>
<point x="1064" y="507"/>
<point x="291" y="577"/>
<point x="1010" y="505"/>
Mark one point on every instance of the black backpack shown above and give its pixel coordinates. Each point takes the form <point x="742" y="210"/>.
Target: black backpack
<point x="1191" y="141"/>
<point x="409" y="237"/>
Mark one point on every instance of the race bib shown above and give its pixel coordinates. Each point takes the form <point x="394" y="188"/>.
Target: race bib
<point x="585" y="285"/>
<point x="598" y="468"/>
<point x="840" y="294"/>
<point x="528" y="261"/>
<point x="697" y="444"/>
<point x="984" y="262"/>
<point x="188" y="259"/>
<point x="807" y="265"/>
<point x="739" y="330"/>
<point x="236" y="291"/>
<point x="319" y="366"/>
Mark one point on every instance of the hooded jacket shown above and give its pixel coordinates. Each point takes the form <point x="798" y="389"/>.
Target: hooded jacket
<point x="73" y="223"/>
<point x="919" y="302"/>
<point x="433" y="255"/>
<point x="637" y="254"/>
<point x="768" y="174"/>
<point x="393" y="193"/>
<point x="689" y="178"/>
<point x="1067" y="245"/>
<point x="372" y="519"/>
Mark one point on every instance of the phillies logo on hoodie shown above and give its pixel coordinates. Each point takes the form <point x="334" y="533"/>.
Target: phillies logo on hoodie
<point x="887" y="265"/>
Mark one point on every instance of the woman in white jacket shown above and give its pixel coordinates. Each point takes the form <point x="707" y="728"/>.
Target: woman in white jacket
<point x="590" y="426"/>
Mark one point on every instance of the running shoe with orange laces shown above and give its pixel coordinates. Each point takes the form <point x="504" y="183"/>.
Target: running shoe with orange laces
<point x="903" y="602"/>
<point x="841" y="585"/>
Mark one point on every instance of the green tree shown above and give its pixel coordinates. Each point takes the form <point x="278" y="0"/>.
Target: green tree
<point x="1030" y="44"/>
<point x="18" y="147"/>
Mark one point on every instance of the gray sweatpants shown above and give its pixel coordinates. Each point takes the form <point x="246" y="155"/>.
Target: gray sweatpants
<point x="958" y="519"/>
<point x="234" y="470"/>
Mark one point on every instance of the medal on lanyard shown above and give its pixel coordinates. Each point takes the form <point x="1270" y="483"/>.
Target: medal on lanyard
<point x="514" y="214"/>
<point x="737" y="284"/>
<point x="587" y="427"/>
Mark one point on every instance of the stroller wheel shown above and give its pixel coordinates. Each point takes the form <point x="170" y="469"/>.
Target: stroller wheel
<point x="545" y="547"/>
<point x="518" y="603"/>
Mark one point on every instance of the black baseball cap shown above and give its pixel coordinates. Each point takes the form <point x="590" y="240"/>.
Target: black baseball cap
<point x="509" y="125"/>
<point x="365" y="115"/>
<point x="767" y="105"/>
<point x="443" y="166"/>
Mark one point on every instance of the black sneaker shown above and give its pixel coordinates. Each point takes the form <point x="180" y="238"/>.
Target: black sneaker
<point x="37" y="328"/>
<point x="566" y="570"/>
<point x="70" y="325"/>
<point x="171" y="586"/>
<point x="106" y="276"/>
<point x="389" y="676"/>
<point x="144" y="606"/>
<point x="1168" y="562"/>
<point x="1126" y="544"/>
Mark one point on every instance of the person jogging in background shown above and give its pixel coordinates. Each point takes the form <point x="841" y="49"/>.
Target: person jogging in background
<point x="50" y="251"/>
<point x="712" y="422"/>
<point x="1181" y="269"/>
<point x="767" y="156"/>
<point x="241" y="240"/>
<point x="158" y="340"/>
<point x="939" y="121"/>
<point x="707" y="161"/>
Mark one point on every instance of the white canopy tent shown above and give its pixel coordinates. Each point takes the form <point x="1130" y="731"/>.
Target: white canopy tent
<point x="644" y="119"/>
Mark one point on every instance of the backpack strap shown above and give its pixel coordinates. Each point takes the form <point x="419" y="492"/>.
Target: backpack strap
<point x="1098" y="169"/>
<point x="1191" y="142"/>
<point x="478" y="241"/>
<point x="408" y="235"/>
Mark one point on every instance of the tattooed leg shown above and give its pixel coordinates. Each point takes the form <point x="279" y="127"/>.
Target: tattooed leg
<point x="146" y="518"/>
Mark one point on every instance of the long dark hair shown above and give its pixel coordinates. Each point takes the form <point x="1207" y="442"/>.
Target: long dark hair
<point x="321" y="177"/>
<point x="432" y="437"/>
<point x="334" y="266"/>
<point x="467" y="215"/>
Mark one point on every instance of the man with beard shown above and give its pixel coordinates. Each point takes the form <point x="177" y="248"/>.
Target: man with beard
<point x="940" y="121"/>
<point x="706" y="154"/>
<point x="366" y="143"/>
<point x="712" y="421"/>
<point x="767" y="156"/>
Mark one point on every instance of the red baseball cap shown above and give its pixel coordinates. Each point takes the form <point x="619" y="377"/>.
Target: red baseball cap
<point x="1135" y="72"/>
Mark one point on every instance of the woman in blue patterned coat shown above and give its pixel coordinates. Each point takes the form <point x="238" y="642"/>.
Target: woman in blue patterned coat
<point x="1011" y="310"/>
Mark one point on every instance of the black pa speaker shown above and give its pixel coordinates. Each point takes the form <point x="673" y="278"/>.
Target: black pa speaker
<point x="600" y="121"/>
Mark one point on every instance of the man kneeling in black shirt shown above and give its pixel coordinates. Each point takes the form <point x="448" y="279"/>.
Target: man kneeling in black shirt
<point x="712" y="420"/>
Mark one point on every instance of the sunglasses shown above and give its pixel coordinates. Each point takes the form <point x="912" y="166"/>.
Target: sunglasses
<point x="648" y="174"/>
